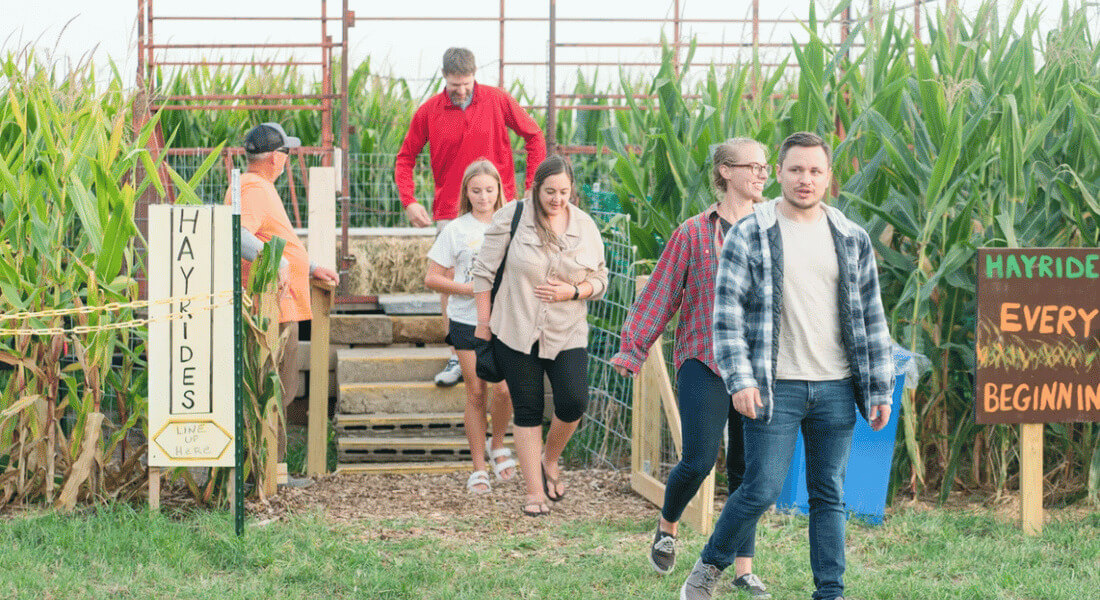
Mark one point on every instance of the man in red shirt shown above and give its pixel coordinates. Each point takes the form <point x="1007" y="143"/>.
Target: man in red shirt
<point x="463" y="123"/>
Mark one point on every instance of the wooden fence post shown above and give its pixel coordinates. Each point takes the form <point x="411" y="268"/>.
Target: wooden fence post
<point x="653" y="385"/>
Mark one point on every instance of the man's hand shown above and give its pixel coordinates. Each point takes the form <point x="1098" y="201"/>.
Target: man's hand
<point x="482" y="332"/>
<point x="418" y="215"/>
<point x="746" y="401"/>
<point x="283" y="286"/>
<point x="879" y="416"/>
<point x="621" y="370"/>
<point x="326" y="274"/>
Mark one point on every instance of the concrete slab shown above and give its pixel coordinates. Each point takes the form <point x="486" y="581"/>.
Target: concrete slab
<point x="368" y="365"/>
<point x="400" y="397"/>
<point x="410" y="304"/>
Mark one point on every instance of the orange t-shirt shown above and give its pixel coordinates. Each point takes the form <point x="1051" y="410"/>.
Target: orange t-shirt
<point x="263" y="214"/>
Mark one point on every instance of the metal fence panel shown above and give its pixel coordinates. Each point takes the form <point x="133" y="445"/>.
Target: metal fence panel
<point x="603" y="439"/>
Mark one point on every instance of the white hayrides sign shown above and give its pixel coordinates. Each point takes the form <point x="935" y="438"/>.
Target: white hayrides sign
<point x="191" y="365"/>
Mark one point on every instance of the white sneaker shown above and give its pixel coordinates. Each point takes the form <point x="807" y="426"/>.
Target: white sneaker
<point x="450" y="375"/>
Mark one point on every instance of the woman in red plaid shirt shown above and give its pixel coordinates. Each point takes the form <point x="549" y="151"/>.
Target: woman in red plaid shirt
<point x="683" y="281"/>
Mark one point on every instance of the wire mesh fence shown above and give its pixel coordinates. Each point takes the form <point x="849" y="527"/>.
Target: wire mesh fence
<point x="603" y="440"/>
<point x="373" y="200"/>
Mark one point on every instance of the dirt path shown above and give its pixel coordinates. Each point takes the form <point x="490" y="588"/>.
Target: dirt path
<point x="443" y="502"/>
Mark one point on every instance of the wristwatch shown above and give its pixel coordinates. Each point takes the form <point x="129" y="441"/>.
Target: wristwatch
<point x="576" y="292"/>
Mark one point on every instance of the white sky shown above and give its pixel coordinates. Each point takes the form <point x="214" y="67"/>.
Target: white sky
<point x="76" y="29"/>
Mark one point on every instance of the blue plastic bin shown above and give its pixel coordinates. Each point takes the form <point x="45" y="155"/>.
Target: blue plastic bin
<point x="868" y="475"/>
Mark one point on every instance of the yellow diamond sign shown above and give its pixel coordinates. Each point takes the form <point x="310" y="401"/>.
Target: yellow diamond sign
<point x="193" y="439"/>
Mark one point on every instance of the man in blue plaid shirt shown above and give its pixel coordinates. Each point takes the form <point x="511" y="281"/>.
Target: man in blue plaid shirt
<point x="801" y="341"/>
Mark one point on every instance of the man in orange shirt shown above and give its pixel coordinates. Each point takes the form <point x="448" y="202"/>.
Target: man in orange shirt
<point x="264" y="217"/>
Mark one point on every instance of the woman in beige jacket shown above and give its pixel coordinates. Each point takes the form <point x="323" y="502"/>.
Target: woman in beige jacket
<point x="555" y="263"/>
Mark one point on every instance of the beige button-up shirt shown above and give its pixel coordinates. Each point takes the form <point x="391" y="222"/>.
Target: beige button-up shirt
<point x="519" y="319"/>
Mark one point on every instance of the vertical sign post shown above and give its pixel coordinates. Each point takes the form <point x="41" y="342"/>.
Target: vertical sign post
<point x="238" y="354"/>
<point x="1038" y="350"/>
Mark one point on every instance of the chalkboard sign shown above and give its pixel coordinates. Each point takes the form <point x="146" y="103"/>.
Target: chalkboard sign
<point x="1038" y="335"/>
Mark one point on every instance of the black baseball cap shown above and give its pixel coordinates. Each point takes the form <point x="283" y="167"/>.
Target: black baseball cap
<point x="268" y="137"/>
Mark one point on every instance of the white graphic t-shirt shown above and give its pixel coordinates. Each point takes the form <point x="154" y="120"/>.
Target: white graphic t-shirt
<point x="456" y="247"/>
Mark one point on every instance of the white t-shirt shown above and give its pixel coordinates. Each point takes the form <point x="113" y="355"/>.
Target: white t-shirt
<point x="456" y="247"/>
<point x="810" y="344"/>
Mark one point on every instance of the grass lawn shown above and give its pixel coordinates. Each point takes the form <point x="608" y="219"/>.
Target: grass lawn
<point x="919" y="554"/>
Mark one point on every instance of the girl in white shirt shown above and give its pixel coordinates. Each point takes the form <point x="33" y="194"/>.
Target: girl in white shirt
<point x="455" y="248"/>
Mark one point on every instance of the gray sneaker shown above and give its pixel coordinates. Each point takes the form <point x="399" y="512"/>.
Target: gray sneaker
<point x="752" y="585"/>
<point x="700" y="583"/>
<point x="662" y="553"/>
<point x="450" y="375"/>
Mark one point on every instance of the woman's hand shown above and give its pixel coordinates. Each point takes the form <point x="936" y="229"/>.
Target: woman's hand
<point x="482" y="332"/>
<point x="555" y="290"/>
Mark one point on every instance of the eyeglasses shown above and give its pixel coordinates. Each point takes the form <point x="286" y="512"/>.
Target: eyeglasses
<point x="757" y="168"/>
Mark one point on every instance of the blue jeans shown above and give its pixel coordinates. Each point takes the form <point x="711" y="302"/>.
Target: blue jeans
<point x="705" y="411"/>
<point x="825" y="411"/>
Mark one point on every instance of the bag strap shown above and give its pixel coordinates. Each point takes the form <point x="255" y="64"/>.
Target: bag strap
<point x="504" y="259"/>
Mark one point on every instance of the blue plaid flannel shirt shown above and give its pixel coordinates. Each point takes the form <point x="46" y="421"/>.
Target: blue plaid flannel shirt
<point x="748" y="301"/>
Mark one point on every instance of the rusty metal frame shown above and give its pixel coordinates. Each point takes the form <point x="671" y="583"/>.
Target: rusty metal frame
<point x="153" y="54"/>
<point x="148" y="60"/>
<point x="552" y="105"/>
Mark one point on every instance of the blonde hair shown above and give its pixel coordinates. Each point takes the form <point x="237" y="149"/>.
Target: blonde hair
<point x="726" y="153"/>
<point x="480" y="166"/>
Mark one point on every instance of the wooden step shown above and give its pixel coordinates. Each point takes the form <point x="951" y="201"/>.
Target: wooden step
<point x="379" y="468"/>
<point x="400" y="397"/>
<point x="393" y="449"/>
<point x="408" y="363"/>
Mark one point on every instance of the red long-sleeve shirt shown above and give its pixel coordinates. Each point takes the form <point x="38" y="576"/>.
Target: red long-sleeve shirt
<point x="683" y="281"/>
<point x="458" y="137"/>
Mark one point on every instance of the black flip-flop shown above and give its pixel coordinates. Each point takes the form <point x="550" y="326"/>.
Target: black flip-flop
<point x="547" y="482"/>
<point x="532" y="513"/>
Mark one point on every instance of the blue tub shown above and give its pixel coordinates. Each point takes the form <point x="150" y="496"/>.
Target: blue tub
<point x="868" y="474"/>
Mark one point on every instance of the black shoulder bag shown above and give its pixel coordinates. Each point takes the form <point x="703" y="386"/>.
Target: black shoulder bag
<point x="486" y="359"/>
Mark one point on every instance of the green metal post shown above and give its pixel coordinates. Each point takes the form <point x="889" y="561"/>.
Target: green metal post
<point x="238" y="361"/>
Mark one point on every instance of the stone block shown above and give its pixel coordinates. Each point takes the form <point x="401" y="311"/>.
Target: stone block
<point x="419" y="329"/>
<point x="368" y="365"/>
<point x="361" y="329"/>
<point x="400" y="397"/>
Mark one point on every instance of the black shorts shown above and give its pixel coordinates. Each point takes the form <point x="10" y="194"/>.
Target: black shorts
<point x="460" y="335"/>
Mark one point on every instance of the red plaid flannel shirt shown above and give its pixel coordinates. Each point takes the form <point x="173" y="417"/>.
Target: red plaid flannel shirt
<point x="682" y="280"/>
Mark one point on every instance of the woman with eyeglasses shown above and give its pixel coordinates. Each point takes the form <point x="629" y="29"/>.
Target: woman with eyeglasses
<point x="683" y="281"/>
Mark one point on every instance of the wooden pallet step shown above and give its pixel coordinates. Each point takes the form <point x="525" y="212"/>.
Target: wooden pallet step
<point x="399" y="423"/>
<point x="402" y="424"/>
<point x="421" y="448"/>
<point x="399" y="468"/>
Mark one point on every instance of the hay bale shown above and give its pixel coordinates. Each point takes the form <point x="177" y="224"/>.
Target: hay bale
<point x="388" y="264"/>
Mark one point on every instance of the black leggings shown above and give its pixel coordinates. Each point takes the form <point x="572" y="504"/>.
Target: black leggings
<point x="568" y="374"/>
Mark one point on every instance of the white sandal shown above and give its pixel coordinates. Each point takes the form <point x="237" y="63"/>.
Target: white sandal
<point x="501" y="466"/>
<point x="478" y="478"/>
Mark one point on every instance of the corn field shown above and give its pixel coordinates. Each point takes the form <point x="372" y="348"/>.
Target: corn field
<point x="988" y="134"/>
<point x="73" y="409"/>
